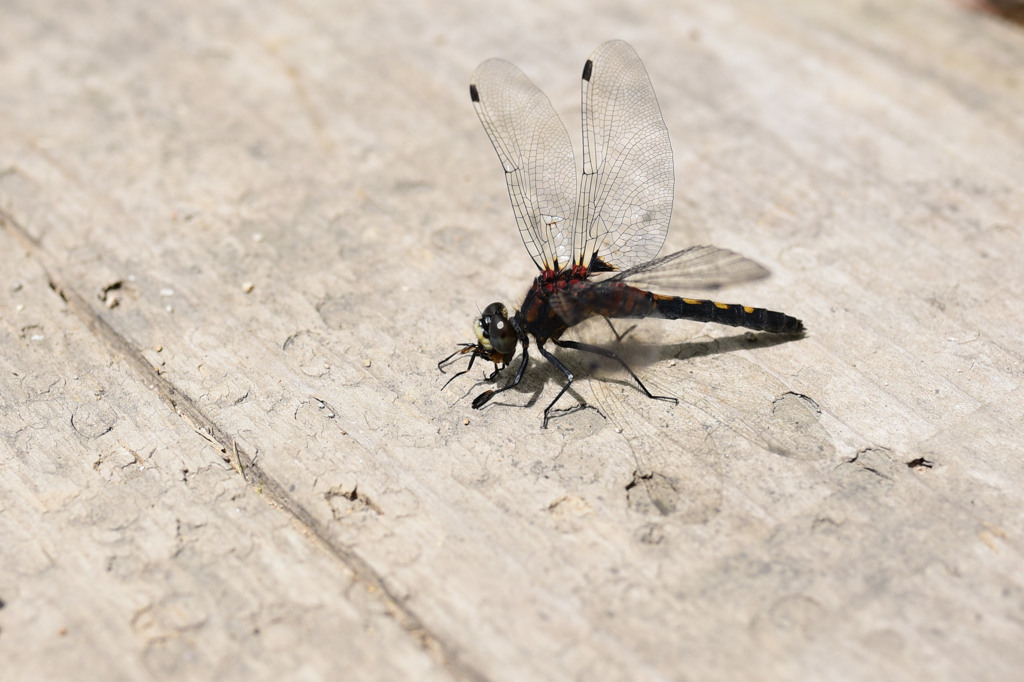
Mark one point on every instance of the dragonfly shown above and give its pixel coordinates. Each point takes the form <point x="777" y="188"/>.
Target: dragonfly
<point x="594" y="240"/>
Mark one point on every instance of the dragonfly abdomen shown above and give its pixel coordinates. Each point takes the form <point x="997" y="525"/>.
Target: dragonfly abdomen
<point x="759" y="319"/>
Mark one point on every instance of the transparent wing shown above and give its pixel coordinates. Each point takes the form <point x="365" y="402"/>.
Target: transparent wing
<point x="536" y="155"/>
<point x="625" y="202"/>
<point x="698" y="267"/>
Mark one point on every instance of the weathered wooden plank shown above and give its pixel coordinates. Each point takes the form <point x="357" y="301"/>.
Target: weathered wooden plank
<point x="130" y="550"/>
<point x="843" y="505"/>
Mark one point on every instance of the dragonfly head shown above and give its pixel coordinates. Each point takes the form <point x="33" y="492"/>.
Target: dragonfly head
<point x="496" y="336"/>
<point x="495" y="333"/>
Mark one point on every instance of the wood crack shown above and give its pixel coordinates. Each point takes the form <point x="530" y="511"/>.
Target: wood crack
<point x="445" y="652"/>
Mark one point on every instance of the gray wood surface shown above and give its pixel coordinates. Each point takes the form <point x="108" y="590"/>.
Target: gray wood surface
<point x="235" y="238"/>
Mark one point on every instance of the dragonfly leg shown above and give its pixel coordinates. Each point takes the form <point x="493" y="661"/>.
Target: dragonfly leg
<point x="565" y="372"/>
<point x="618" y="336"/>
<point x="455" y="376"/>
<point x="467" y="348"/>
<point x="604" y="352"/>
<point x="463" y="349"/>
<point x="482" y="399"/>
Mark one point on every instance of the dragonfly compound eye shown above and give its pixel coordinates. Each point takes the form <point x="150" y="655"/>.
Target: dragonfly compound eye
<point x="495" y="332"/>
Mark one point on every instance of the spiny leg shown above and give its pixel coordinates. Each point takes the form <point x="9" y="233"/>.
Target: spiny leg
<point x="467" y="348"/>
<point x="565" y="372"/>
<point x="472" y="359"/>
<point x="618" y="336"/>
<point x="482" y="399"/>
<point x="604" y="352"/>
<point x="463" y="349"/>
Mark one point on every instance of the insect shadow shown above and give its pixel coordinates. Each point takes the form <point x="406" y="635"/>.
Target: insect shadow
<point x="678" y="450"/>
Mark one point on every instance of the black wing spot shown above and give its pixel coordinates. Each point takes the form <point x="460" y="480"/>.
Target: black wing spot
<point x="473" y="94"/>
<point x="587" y="68"/>
<point x="598" y="264"/>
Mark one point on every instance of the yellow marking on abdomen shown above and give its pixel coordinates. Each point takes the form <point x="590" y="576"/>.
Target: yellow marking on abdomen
<point x="692" y="301"/>
<point x="747" y="309"/>
<point x="723" y="306"/>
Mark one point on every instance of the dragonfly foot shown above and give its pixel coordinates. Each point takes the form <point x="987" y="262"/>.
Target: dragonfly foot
<point x="482" y="399"/>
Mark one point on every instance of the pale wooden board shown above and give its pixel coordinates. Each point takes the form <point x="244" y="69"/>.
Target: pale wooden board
<point x="129" y="552"/>
<point x="871" y="157"/>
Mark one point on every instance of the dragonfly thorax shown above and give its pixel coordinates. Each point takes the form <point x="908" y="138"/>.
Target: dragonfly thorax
<point x="495" y="332"/>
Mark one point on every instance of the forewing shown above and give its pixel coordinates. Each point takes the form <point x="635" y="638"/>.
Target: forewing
<point x="698" y="267"/>
<point x="536" y="155"/>
<point x="625" y="203"/>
